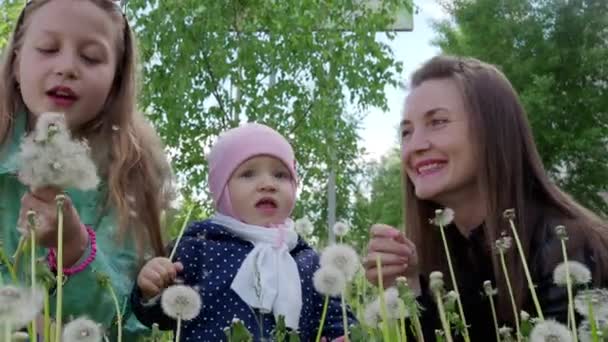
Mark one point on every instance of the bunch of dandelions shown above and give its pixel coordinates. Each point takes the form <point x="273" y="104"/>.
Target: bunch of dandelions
<point x="50" y="157"/>
<point x="436" y="286"/>
<point x="338" y="265"/>
<point x="18" y="307"/>
<point x="182" y="303"/>
<point x="444" y="217"/>
<point x="82" y="330"/>
<point x="569" y="274"/>
<point x="304" y="227"/>
<point x="509" y="215"/>
<point x="592" y="304"/>
<point x="502" y="245"/>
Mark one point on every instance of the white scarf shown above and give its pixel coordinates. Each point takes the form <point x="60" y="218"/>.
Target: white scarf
<point x="268" y="278"/>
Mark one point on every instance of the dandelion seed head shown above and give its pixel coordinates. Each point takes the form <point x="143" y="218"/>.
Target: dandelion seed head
<point x="579" y="273"/>
<point x="341" y="229"/>
<point x="597" y="298"/>
<point x="329" y="281"/>
<point x="20" y="336"/>
<point x="371" y="315"/>
<point x="181" y="301"/>
<point x="509" y="214"/>
<point x="115" y="128"/>
<point x="505" y="331"/>
<point x="395" y="306"/>
<point x="561" y="233"/>
<point x="342" y="257"/>
<point x="524" y="315"/>
<point x="488" y="289"/>
<point x="19" y="306"/>
<point x="436" y="281"/>
<point x="82" y="330"/>
<point x="303" y="226"/>
<point x="443" y="217"/>
<point x="584" y="329"/>
<point x="550" y="330"/>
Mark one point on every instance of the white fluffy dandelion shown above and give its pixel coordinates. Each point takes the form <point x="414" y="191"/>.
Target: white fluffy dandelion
<point x="443" y="217"/>
<point x="329" y="281"/>
<point x="436" y="281"/>
<point x="82" y="330"/>
<point x="303" y="226"/>
<point x="395" y="306"/>
<point x="181" y="302"/>
<point x="584" y="330"/>
<point x="50" y="157"/>
<point x="342" y="257"/>
<point x="597" y="298"/>
<point x="550" y="330"/>
<point x="20" y="336"/>
<point x="371" y="315"/>
<point x="19" y="306"/>
<point x="579" y="273"/>
<point x="341" y="229"/>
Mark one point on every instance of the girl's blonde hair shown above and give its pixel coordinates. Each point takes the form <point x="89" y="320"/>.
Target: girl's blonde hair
<point x="125" y="146"/>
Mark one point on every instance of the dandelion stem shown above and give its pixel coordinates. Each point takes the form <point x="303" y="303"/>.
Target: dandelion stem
<point x="444" y="322"/>
<point x="418" y="327"/>
<point x="58" y="310"/>
<point x="520" y="249"/>
<point x="325" y="303"/>
<point x="454" y="284"/>
<point x="179" y="328"/>
<point x="33" y="270"/>
<point x="118" y="312"/>
<point x="494" y="318"/>
<point x="344" y="316"/>
<point x="6" y="262"/>
<point x="383" y="310"/>
<point x="403" y="332"/>
<point x="7" y="331"/>
<point x="572" y="319"/>
<point x="47" y="316"/>
<point x="515" y="316"/>
<point x="18" y="252"/>
<point x="181" y="231"/>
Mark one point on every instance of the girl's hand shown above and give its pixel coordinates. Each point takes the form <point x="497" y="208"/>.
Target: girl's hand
<point x="156" y="275"/>
<point x="75" y="237"/>
<point x="397" y="255"/>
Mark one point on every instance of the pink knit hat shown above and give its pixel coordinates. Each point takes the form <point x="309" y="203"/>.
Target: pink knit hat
<point x="237" y="145"/>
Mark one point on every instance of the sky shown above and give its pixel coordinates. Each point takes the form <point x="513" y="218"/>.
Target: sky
<point x="379" y="129"/>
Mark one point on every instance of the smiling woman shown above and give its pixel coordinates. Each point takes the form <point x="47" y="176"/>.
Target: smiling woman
<point x="467" y="145"/>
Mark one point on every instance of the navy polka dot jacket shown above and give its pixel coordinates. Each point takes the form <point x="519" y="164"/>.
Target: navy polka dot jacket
<point x="211" y="257"/>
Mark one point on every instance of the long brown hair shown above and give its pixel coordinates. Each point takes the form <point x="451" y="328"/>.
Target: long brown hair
<point x="510" y="174"/>
<point x="125" y="146"/>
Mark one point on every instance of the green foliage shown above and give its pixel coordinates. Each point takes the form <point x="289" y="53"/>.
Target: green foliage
<point x="556" y="55"/>
<point x="210" y="65"/>
<point x="9" y="11"/>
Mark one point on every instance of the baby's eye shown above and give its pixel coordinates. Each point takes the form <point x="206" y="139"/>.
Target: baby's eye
<point x="282" y="175"/>
<point x="247" y="174"/>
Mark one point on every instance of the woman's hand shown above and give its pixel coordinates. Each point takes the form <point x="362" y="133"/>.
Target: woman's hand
<point x="397" y="255"/>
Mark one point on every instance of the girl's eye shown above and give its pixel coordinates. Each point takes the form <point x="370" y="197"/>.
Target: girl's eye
<point x="405" y="133"/>
<point x="247" y="174"/>
<point x="46" y="51"/>
<point x="91" y="60"/>
<point x="282" y="175"/>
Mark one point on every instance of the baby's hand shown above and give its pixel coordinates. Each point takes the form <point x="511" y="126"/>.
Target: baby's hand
<point x="156" y="275"/>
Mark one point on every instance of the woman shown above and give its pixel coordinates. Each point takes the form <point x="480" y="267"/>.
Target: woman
<point x="467" y="145"/>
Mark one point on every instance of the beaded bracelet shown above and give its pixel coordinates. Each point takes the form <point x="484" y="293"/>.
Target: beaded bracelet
<point x="52" y="256"/>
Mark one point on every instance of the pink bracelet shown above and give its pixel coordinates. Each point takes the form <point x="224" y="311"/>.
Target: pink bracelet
<point x="52" y="256"/>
